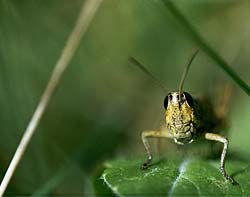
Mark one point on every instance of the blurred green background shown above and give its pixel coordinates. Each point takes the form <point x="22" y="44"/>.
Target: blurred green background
<point x="103" y="102"/>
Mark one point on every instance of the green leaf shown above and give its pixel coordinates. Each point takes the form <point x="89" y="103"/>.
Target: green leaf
<point x="189" y="177"/>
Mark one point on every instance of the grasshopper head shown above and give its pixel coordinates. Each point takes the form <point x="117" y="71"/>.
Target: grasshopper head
<point x="180" y="116"/>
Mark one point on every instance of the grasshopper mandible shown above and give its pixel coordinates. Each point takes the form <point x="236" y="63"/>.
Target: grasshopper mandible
<point x="187" y="119"/>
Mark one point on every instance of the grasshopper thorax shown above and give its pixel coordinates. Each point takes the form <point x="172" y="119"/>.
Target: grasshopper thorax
<point x="180" y="116"/>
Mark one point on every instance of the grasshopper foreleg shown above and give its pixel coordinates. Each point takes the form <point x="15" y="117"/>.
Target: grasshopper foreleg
<point x="219" y="138"/>
<point x="151" y="134"/>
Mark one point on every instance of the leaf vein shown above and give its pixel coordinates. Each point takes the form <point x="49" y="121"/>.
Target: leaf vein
<point x="182" y="169"/>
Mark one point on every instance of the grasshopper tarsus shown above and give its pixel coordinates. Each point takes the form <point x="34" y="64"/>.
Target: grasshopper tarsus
<point x="144" y="166"/>
<point x="226" y="176"/>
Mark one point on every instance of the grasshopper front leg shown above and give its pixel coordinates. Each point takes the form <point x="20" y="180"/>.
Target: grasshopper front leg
<point x="151" y="134"/>
<point x="219" y="138"/>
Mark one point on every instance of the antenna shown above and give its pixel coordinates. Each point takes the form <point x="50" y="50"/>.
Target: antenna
<point x="147" y="72"/>
<point x="184" y="74"/>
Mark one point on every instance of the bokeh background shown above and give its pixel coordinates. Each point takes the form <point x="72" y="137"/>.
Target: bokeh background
<point x="103" y="102"/>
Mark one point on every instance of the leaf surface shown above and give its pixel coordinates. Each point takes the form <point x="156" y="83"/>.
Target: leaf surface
<point x="188" y="177"/>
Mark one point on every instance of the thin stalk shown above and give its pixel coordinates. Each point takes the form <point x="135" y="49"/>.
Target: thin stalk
<point x="193" y="33"/>
<point x="86" y="14"/>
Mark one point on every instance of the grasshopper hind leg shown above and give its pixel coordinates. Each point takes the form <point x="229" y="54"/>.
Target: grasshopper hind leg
<point x="222" y="105"/>
<point x="151" y="134"/>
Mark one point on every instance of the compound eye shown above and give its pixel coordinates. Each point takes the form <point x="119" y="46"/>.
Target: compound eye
<point x="166" y="102"/>
<point x="189" y="99"/>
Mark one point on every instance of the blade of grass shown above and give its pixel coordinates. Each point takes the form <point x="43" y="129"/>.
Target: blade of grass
<point x="60" y="175"/>
<point x="194" y="34"/>
<point x="86" y="14"/>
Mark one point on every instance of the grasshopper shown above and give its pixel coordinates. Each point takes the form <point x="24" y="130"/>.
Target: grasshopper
<point x="187" y="119"/>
